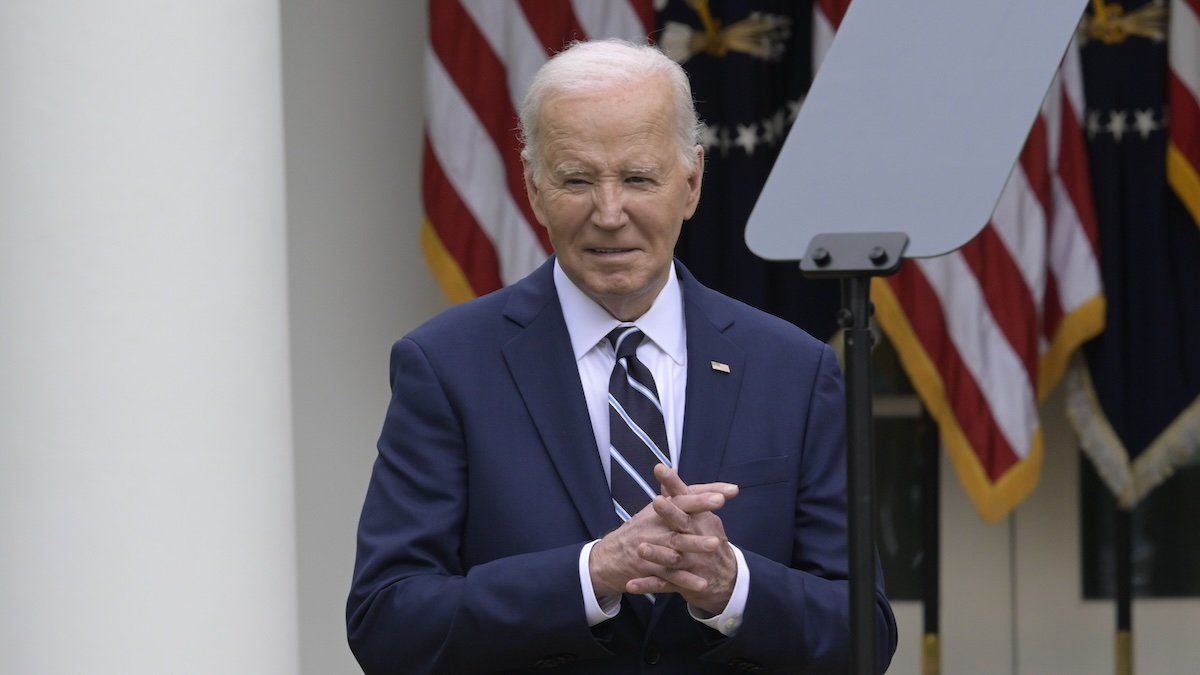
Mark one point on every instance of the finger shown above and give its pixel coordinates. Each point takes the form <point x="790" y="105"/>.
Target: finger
<point x="691" y="543"/>
<point x="728" y="489"/>
<point x="675" y="518"/>
<point x="683" y="580"/>
<point x="698" y="503"/>
<point x="645" y="585"/>
<point x="661" y="555"/>
<point x="690" y="513"/>
<point x="681" y="551"/>
<point x="672" y="484"/>
<point x="667" y="581"/>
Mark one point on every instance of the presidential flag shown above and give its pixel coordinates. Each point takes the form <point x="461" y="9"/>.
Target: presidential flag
<point x="1137" y="405"/>
<point x="750" y="67"/>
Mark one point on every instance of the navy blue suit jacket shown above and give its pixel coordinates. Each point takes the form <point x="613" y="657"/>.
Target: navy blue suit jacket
<point x="488" y="484"/>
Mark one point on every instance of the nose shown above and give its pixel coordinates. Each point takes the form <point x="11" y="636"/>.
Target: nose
<point x="608" y="211"/>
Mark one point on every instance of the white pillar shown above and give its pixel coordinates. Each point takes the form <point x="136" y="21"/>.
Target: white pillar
<point x="146" y="494"/>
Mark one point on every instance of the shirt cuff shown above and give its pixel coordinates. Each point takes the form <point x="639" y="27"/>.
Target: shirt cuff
<point x="605" y="608"/>
<point x="728" y="621"/>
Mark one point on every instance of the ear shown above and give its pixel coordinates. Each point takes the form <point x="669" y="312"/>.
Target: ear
<point x="533" y="191"/>
<point x="694" y="179"/>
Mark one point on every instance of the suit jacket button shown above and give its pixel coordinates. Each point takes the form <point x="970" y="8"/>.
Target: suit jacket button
<point x="651" y="655"/>
<point x="545" y="664"/>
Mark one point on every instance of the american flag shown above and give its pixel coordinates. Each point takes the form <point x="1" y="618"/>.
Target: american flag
<point x="1183" y="97"/>
<point x="479" y="232"/>
<point x="987" y="331"/>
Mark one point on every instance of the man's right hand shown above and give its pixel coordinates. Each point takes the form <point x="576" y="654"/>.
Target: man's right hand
<point x="614" y="560"/>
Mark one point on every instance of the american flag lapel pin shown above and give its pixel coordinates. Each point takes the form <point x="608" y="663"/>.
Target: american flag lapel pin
<point x="719" y="367"/>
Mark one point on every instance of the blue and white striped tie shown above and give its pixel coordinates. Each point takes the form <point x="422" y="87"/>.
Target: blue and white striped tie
<point x="637" y="431"/>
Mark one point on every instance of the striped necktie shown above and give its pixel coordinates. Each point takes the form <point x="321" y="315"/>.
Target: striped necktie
<point x="637" y="431"/>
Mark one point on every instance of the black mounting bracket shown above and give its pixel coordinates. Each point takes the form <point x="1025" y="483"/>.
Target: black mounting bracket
<point x="854" y="254"/>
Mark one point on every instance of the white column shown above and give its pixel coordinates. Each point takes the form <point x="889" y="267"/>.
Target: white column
<point x="146" y="487"/>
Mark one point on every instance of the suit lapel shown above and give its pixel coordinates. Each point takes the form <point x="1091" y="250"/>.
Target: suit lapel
<point x="715" y="366"/>
<point x="543" y="366"/>
<point x="711" y="394"/>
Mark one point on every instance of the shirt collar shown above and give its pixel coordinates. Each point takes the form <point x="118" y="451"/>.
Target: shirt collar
<point x="588" y="323"/>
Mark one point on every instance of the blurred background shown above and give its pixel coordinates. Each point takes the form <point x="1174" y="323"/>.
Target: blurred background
<point x="216" y="217"/>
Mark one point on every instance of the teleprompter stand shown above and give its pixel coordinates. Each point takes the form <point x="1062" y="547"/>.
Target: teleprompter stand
<point x="911" y="120"/>
<point x="853" y="259"/>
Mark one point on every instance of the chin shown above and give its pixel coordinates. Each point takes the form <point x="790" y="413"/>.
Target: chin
<point x="610" y="288"/>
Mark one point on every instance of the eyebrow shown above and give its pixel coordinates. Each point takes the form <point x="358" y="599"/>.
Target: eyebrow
<point x="569" y="170"/>
<point x="573" y="170"/>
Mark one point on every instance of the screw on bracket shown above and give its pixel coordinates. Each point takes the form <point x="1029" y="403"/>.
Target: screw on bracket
<point x="821" y="257"/>
<point x="878" y="256"/>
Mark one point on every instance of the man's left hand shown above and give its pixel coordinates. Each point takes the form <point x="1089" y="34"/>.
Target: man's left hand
<point x="707" y="556"/>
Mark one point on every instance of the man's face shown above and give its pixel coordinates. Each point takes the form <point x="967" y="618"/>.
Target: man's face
<point x="612" y="191"/>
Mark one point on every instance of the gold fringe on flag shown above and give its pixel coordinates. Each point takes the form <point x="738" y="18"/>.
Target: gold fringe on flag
<point x="1176" y="446"/>
<point x="444" y="267"/>
<point x="1184" y="180"/>
<point x="993" y="500"/>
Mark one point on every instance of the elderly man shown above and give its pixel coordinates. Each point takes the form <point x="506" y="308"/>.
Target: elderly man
<point x="607" y="467"/>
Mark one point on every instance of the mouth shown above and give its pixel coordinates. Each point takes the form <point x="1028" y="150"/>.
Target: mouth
<point x="610" y="251"/>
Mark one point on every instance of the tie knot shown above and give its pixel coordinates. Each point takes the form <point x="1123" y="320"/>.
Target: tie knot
<point x="625" y="340"/>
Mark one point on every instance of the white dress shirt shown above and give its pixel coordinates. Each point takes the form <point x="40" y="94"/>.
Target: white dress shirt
<point x="664" y="353"/>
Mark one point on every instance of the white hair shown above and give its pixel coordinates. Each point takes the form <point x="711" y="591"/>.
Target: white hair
<point x="601" y="64"/>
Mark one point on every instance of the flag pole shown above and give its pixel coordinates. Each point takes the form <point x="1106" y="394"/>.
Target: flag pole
<point x="1123" y="571"/>
<point x="931" y="647"/>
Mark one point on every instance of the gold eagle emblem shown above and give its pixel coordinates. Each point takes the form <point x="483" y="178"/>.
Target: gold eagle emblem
<point x="1111" y="25"/>
<point x="759" y="35"/>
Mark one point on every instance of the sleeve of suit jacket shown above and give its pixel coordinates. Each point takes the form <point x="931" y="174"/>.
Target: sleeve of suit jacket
<point x="413" y="608"/>
<point x="797" y="614"/>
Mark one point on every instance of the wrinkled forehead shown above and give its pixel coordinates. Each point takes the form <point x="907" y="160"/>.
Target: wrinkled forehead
<point x="636" y="144"/>
<point x="621" y="86"/>
<point x="642" y="107"/>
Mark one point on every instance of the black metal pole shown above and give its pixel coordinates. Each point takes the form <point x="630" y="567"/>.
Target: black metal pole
<point x="854" y="258"/>
<point x="860" y="470"/>
<point x="1123" y="570"/>
<point x="931" y="537"/>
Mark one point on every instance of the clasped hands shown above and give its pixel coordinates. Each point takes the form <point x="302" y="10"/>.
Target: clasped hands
<point x="676" y="544"/>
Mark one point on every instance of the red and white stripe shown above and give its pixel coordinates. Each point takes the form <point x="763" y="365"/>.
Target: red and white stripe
<point x="481" y="56"/>
<point x="827" y="16"/>
<point x="985" y="331"/>
<point x="1183" y="97"/>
